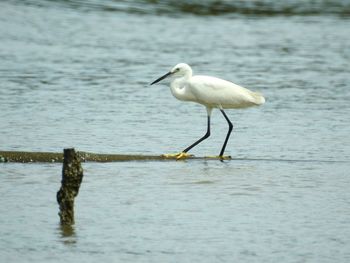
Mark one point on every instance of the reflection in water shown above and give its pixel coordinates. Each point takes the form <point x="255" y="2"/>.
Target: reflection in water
<point x="67" y="234"/>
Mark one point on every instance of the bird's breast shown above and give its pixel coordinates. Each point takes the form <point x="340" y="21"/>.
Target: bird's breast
<point x="181" y="91"/>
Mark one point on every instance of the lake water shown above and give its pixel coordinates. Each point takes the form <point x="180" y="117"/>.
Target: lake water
<point x="77" y="74"/>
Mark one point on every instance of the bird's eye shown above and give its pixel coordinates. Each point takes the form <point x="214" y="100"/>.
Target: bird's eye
<point x="178" y="69"/>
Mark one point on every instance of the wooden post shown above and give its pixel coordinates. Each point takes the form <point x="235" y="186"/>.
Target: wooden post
<point x="72" y="175"/>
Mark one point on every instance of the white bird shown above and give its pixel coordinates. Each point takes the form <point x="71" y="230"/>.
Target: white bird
<point x="212" y="93"/>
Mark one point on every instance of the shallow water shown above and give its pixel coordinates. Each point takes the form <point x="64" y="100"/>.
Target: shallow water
<point x="258" y="211"/>
<point x="77" y="75"/>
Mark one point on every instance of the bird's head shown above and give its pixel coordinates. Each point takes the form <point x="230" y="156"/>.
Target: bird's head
<point x="180" y="70"/>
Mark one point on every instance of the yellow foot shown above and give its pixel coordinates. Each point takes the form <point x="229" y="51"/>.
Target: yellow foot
<point x="177" y="156"/>
<point x="219" y="157"/>
<point x="183" y="155"/>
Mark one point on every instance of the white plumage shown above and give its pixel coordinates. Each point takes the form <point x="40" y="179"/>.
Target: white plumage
<point x="211" y="92"/>
<point x="218" y="93"/>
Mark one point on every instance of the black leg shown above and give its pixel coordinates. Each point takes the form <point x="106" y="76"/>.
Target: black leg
<point x="230" y="127"/>
<point x="201" y="139"/>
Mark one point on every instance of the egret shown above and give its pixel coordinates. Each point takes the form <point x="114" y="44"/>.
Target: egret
<point x="211" y="92"/>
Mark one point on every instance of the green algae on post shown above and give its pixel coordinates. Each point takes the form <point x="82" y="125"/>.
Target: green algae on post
<point x="51" y="157"/>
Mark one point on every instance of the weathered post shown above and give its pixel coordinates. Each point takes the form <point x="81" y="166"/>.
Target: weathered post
<point x="72" y="175"/>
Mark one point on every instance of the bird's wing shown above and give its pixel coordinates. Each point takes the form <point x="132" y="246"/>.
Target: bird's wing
<point x="215" y="92"/>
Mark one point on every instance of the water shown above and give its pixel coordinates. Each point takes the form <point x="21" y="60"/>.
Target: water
<point x="76" y="74"/>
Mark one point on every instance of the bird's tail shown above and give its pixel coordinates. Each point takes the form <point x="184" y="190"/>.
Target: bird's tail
<point x="258" y="98"/>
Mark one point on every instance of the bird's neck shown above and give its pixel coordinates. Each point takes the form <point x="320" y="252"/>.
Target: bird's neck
<point x="179" y="88"/>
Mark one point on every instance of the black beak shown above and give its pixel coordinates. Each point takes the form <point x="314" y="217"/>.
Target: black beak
<point x="161" y="78"/>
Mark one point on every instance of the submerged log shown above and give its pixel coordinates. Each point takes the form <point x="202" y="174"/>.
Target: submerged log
<point x="72" y="175"/>
<point x="27" y="157"/>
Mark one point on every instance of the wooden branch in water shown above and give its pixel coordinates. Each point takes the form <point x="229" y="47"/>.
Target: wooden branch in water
<point x="28" y="157"/>
<point x="72" y="176"/>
